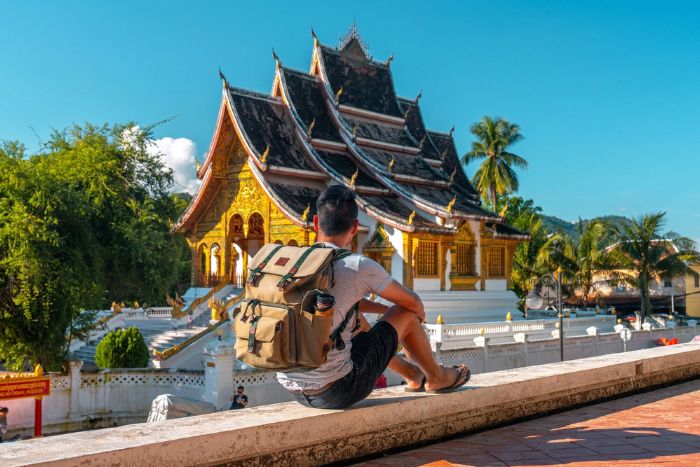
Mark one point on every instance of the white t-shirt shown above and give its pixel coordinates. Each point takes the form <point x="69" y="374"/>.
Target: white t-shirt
<point x="356" y="276"/>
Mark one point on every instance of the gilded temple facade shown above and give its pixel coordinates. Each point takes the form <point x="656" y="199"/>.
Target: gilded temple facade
<point x="342" y="123"/>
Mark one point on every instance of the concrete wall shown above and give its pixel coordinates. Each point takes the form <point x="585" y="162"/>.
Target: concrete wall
<point x="290" y="434"/>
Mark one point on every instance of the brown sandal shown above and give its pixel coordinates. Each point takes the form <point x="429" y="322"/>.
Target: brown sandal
<point x="421" y="388"/>
<point x="461" y="380"/>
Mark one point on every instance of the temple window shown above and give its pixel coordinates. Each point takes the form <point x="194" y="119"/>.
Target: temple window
<point x="292" y="243"/>
<point x="426" y="258"/>
<point x="256" y="225"/>
<point x="495" y="266"/>
<point x="215" y="260"/>
<point x="465" y="259"/>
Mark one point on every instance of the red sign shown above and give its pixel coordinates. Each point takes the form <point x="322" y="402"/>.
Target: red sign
<point x="25" y="387"/>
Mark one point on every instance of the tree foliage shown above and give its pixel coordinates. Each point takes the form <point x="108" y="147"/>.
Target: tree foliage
<point x="84" y="222"/>
<point x="495" y="176"/>
<point x="642" y="247"/>
<point x="122" y="348"/>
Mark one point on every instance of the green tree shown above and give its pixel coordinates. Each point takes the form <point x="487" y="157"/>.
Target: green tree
<point x="643" y="249"/>
<point x="84" y="222"/>
<point x="122" y="348"/>
<point x="527" y="264"/>
<point x="584" y="261"/>
<point x="495" y="176"/>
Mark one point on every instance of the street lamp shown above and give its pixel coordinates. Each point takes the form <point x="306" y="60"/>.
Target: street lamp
<point x="535" y="301"/>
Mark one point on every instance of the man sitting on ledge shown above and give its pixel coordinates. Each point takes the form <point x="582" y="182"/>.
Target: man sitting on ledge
<point x="348" y="376"/>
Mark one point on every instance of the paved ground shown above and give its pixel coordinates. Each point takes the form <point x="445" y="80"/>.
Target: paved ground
<point x="658" y="427"/>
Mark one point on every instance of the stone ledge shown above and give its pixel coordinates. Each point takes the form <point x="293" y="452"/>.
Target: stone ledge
<point x="290" y="434"/>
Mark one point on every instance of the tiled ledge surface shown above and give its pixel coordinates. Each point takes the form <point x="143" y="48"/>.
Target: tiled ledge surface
<point x="294" y="435"/>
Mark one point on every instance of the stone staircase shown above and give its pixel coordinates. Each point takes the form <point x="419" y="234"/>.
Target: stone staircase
<point x="162" y="334"/>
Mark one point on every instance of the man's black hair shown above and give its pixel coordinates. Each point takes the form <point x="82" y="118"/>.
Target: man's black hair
<point x="240" y="387"/>
<point x="336" y="210"/>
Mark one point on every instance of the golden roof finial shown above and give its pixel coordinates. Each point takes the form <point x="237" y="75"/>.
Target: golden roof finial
<point x="439" y="320"/>
<point x="420" y="94"/>
<point x="277" y="59"/>
<point x="452" y="176"/>
<point x="443" y="155"/>
<point x="389" y="60"/>
<point x="224" y="81"/>
<point x="38" y="370"/>
<point x="263" y="158"/>
<point x="305" y="214"/>
<point x="354" y="131"/>
<point x="197" y="165"/>
<point x="408" y="111"/>
<point x="422" y="142"/>
<point x="313" y="34"/>
<point x="390" y="166"/>
<point x="338" y="94"/>
<point x="411" y="217"/>
<point x="353" y="179"/>
<point x="504" y="211"/>
<point x="310" y="128"/>
<point x="451" y="204"/>
<point x="452" y="130"/>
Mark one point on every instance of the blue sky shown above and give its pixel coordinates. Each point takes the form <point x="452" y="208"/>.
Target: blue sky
<point x="606" y="93"/>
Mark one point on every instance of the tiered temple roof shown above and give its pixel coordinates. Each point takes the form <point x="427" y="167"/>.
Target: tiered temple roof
<point x="344" y="123"/>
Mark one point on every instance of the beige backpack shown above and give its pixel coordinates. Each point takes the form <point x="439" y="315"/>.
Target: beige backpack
<point x="277" y="326"/>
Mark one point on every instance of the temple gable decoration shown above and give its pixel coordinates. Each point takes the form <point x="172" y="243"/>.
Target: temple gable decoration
<point x="343" y="123"/>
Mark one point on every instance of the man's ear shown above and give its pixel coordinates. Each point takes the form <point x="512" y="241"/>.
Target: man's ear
<point x="355" y="226"/>
<point x="315" y="222"/>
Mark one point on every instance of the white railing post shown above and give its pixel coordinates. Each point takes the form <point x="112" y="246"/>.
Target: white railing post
<point x="521" y="337"/>
<point x="74" y="401"/>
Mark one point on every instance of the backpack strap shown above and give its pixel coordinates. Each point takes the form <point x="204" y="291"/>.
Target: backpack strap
<point x="336" y="336"/>
<point x="257" y="271"/>
<point x="287" y="278"/>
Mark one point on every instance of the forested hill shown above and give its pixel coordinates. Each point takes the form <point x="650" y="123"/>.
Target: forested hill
<point x="554" y="224"/>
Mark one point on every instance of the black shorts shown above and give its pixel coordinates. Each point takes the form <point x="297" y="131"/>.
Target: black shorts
<point x="370" y="353"/>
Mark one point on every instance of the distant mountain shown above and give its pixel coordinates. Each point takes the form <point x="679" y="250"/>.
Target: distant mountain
<point x="554" y="224"/>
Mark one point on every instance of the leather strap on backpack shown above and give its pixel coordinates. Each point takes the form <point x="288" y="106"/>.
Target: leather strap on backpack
<point x="336" y="336"/>
<point x="256" y="273"/>
<point x="287" y="278"/>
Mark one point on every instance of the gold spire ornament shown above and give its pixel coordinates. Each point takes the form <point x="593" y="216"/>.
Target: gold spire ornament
<point x="420" y="94"/>
<point x="263" y="158"/>
<point x="390" y="166"/>
<point x="389" y="60"/>
<point x="504" y="211"/>
<point x="305" y="214"/>
<point x="197" y="165"/>
<point x="353" y="179"/>
<point x="452" y="130"/>
<point x="276" y="58"/>
<point x="452" y="176"/>
<point x="310" y="128"/>
<point x="338" y="94"/>
<point x="313" y="34"/>
<point x="411" y="217"/>
<point x="451" y="205"/>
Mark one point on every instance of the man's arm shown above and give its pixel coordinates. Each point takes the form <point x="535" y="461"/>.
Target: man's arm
<point x="368" y="306"/>
<point x="405" y="298"/>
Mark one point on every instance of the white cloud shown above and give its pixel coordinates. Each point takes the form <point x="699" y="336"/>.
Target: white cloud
<point x="179" y="154"/>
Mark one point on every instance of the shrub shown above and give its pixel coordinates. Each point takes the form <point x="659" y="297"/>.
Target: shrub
<point x="122" y="348"/>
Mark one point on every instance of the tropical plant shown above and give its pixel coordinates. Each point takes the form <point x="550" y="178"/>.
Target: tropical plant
<point x="122" y="348"/>
<point x="527" y="265"/>
<point x="647" y="254"/>
<point x="83" y="223"/>
<point x="584" y="261"/>
<point x="495" y="176"/>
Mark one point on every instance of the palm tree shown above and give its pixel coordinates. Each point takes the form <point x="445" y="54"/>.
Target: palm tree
<point x="584" y="262"/>
<point x="527" y="267"/>
<point x="495" y="175"/>
<point x="649" y="254"/>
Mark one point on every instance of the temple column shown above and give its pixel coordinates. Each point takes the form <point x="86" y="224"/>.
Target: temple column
<point x="407" y="260"/>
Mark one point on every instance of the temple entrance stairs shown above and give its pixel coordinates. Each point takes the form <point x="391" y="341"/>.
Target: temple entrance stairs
<point x="163" y="333"/>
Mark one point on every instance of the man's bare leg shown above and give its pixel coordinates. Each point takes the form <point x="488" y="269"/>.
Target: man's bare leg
<point x="408" y="371"/>
<point x="416" y="343"/>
